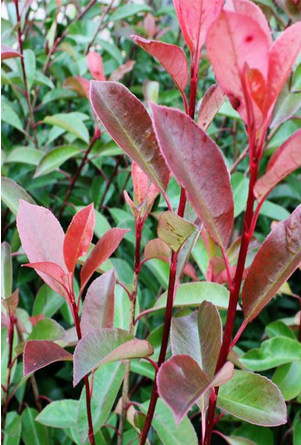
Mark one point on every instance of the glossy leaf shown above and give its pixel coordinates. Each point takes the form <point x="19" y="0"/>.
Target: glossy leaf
<point x="24" y="155"/>
<point x="195" y="18"/>
<point x="95" y="65"/>
<point x="253" y="398"/>
<point x="129" y="124"/>
<point x="283" y="162"/>
<point x="69" y="122"/>
<point x="272" y="353"/>
<point x="33" y="433"/>
<point x="174" y="230"/>
<point x="171" y="57"/>
<point x="56" y="277"/>
<point x="288" y="379"/>
<point x="38" y="354"/>
<point x="193" y="294"/>
<point x="143" y="188"/>
<point x="274" y="263"/>
<point x="198" y="165"/>
<point x="101" y="252"/>
<point x="8" y="53"/>
<point x="79" y="236"/>
<point x="102" y="346"/>
<point x="156" y="248"/>
<point x="12" y="193"/>
<point x="199" y="335"/>
<point x="42" y="238"/>
<point x="98" y="307"/>
<point x="59" y="414"/>
<point x="6" y="270"/>
<point x="54" y="158"/>
<point x="210" y="106"/>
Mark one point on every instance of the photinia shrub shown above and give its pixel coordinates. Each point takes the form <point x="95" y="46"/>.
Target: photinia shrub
<point x="193" y="365"/>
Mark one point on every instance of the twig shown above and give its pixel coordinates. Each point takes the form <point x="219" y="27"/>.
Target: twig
<point x="100" y="25"/>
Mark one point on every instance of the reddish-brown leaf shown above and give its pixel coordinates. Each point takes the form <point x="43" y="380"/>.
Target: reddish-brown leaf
<point x="101" y="252"/>
<point x="210" y="106"/>
<point x="199" y="167"/>
<point x="11" y="303"/>
<point x="79" y="236"/>
<point x="38" y="354"/>
<point x="276" y="260"/>
<point x="98" y="307"/>
<point x="129" y="124"/>
<point x="143" y="188"/>
<point x="156" y="248"/>
<point x="283" y="162"/>
<point x="42" y="238"/>
<point x="122" y="70"/>
<point x="78" y="84"/>
<point x="8" y="53"/>
<point x="95" y="65"/>
<point x="171" y="57"/>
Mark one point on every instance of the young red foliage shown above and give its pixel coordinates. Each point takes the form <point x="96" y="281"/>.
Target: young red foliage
<point x="38" y="354"/>
<point x="95" y="65"/>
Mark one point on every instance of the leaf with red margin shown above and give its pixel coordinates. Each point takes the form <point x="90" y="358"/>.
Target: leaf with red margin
<point x="199" y="167"/>
<point x="98" y="306"/>
<point x="9" y="53"/>
<point x="107" y="244"/>
<point x="42" y="238"/>
<point x="278" y="257"/>
<point x="210" y="106"/>
<point x="282" y="57"/>
<point x="95" y="65"/>
<point x="283" y="162"/>
<point x="156" y="248"/>
<point x="11" y="303"/>
<point x="79" y="236"/>
<point x="235" y="41"/>
<point x="102" y="346"/>
<point x="195" y="18"/>
<point x="38" y="354"/>
<point x="53" y="271"/>
<point x="127" y="121"/>
<point x="143" y="187"/>
<point x="171" y="57"/>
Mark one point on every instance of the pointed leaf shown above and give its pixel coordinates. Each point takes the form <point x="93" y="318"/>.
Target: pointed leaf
<point x="79" y="236"/>
<point x="71" y="123"/>
<point x="121" y="71"/>
<point x="199" y="167"/>
<point x="54" y="272"/>
<point x="210" y="106"/>
<point x="54" y="158"/>
<point x="12" y="193"/>
<point x="156" y="248"/>
<point x="283" y="162"/>
<point x="95" y="65"/>
<point x="9" y="53"/>
<point x="195" y="17"/>
<point x="38" y="354"/>
<point x="272" y="353"/>
<point x="171" y="57"/>
<point x="42" y="238"/>
<point x="78" y="84"/>
<point x="11" y="303"/>
<point x="6" y="270"/>
<point x="276" y="260"/>
<point x="59" y="414"/>
<point x="143" y="188"/>
<point x="101" y="252"/>
<point x="253" y="398"/>
<point x="174" y="230"/>
<point x="129" y="124"/>
<point x="102" y="346"/>
<point x="98" y="307"/>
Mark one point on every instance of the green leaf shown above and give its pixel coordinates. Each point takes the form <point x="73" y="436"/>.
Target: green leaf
<point x="70" y="123"/>
<point x="6" y="270"/>
<point x="55" y="158"/>
<point x="287" y="104"/>
<point x="193" y="294"/>
<point x="59" y="414"/>
<point x="274" y="211"/>
<point x="47" y="329"/>
<point x="24" y="155"/>
<point x="258" y="434"/>
<point x="57" y="94"/>
<point x="168" y="431"/>
<point x="9" y="116"/>
<point x="30" y="66"/>
<point x="288" y="379"/>
<point x="240" y="187"/>
<point x="107" y="382"/>
<point x="11" y="193"/>
<point x="253" y="398"/>
<point x="274" y="352"/>
<point x="47" y="302"/>
<point x="174" y="230"/>
<point x="128" y="11"/>
<point x="106" y="345"/>
<point x="12" y="429"/>
<point x="33" y="433"/>
<point x="278" y="328"/>
<point x="297" y="430"/>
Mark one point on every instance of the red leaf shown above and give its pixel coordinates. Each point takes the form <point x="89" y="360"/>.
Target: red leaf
<point x="38" y="354"/>
<point x="8" y="53"/>
<point x="101" y="252"/>
<point x="210" y="106"/>
<point x="195" y="17"/>
<point x="198" y="165"/>
<point x="171" y="57"/>
<point x="282" y="57"/>
<point x="234" y="41"/>
<point x="79" y="236"/>
<point x="127" y="121"/>
<point x="42" y="238"/>
<point x="11" y="303"/>
<point x="98" y="307"/>
<point x="122" y="70"/>
<point x="55" y="272"/>
<point x="156" y="248"/>
<point x="283" y="162"/>
<point x="278" y="257"/>
<point x="78" y="84"/>
<point x="95" y="65"/>
<point x="143" y="188"/>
